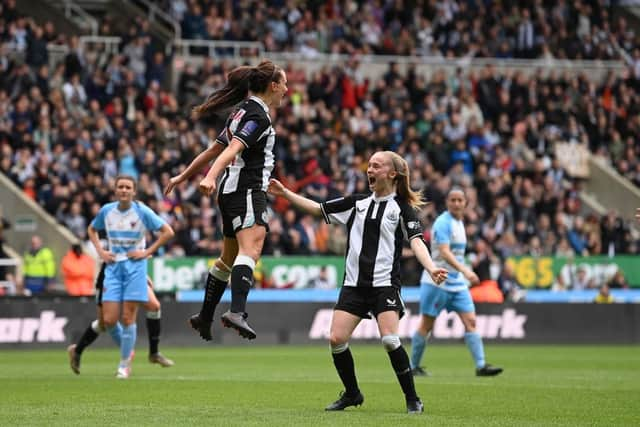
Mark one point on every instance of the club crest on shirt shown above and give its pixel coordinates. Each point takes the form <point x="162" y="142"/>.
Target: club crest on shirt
<point x="133" y="223"/>
<point x="392" y="216"/>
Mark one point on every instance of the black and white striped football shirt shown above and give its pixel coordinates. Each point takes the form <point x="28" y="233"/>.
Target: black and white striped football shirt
<point x="376" y="229"/>
<point x="252" y="167"/>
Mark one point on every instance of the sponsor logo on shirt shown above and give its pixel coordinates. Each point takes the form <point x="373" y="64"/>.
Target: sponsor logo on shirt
<point x="413" y="225"/>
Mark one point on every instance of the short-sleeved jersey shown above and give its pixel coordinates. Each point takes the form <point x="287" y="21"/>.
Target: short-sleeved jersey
<point x="252" y="167"/>
<point x="450" y="231"/>
<point x="125" y="229"/>
<point x="376" y="228"/>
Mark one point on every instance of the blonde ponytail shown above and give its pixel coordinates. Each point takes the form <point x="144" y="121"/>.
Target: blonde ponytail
<point x="403" y="188"/>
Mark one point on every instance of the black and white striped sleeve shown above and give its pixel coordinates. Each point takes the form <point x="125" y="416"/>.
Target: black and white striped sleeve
<point x="224" y="136"/>
<point x="339" y="210"/>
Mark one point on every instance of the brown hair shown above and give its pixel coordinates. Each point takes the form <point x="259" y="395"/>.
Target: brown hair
<point x="414" y="198"/>
<point x="240" y="81"/>
<point x="127" y="178"/>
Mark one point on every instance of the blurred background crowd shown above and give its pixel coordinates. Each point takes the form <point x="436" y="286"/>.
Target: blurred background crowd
<point x="67" y="130"/>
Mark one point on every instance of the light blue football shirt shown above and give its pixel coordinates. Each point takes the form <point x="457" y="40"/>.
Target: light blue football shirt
<point x="448" y="230"/>
<point x="125" y="230"/>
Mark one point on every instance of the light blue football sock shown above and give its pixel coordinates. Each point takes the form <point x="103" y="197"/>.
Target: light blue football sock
<point x="116" y="333"/>
<point x="418" y="345"/>
<point x="129" y="334"/>
<point x="474" y="343"/>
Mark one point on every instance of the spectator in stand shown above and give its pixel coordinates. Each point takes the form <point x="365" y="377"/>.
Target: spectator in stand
<point x="604" y="296"/>
<point x="78" y="271"/>
<point x="582" y="281"/>
<point x="39" y="267"/>
<point x="618" y="281"/>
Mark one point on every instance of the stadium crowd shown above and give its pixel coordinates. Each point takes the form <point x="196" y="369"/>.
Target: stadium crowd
<point x="67" y="131"/>
<point x="448" y="28"/>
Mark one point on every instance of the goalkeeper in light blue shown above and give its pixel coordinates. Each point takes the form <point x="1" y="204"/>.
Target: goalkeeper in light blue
<point x="448" y="244"/>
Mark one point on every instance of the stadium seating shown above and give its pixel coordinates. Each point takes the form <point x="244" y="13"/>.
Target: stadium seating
<point x="67" y="130"/>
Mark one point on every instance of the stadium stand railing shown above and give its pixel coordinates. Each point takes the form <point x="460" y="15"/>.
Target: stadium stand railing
<point x="57" y="52"/>
<point x="376" y="65"/>
<point x="155" y="14"/>
<point x="78" y="15"/>
<point x="219" y="48"/>
<point x="163" y="24"/>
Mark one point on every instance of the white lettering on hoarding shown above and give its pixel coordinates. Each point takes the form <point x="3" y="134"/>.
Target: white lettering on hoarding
<point x="300" y="276"/>
<point x="47" y="328"/>
<point x="508" y="325"/>
<point x="186" y="274"/>
<point x="168" y="278"/>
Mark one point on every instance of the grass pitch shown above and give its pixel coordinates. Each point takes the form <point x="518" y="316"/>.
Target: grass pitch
<point x="291" y="385"/>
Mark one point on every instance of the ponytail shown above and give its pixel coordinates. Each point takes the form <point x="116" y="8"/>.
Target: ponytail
<point x="240" y="81"/>
<point x="413" y="198"/>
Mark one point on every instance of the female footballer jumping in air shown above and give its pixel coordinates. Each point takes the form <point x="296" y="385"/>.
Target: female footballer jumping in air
<point x="244" y="151"/>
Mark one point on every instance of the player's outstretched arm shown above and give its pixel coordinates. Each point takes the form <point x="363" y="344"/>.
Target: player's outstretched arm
<point x="196" y="165"/>
<point x="421" y="252"/>
<point x="277" y="189"/>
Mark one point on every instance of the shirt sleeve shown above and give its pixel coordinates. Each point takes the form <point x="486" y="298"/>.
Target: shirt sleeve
<point x="248" y="127"/>
<point x="412" y="227"/>
<point x="339" y="210"/>
<point x="442" y="232"/>
<point x="224" y="136"/>
<point x="98" y="221"/>
<point x="151" y="219"/>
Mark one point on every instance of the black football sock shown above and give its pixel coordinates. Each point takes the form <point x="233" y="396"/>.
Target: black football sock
<point x="343" y="361"/>
<point x="400" y="362"/>
<point x="241" y="281"/>
<point x="88" y="337"/>
<point x="153" y="330"/>
<point x="213" y="293"/>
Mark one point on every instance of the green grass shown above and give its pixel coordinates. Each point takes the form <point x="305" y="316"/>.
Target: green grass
<point x="290" y="386"/>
